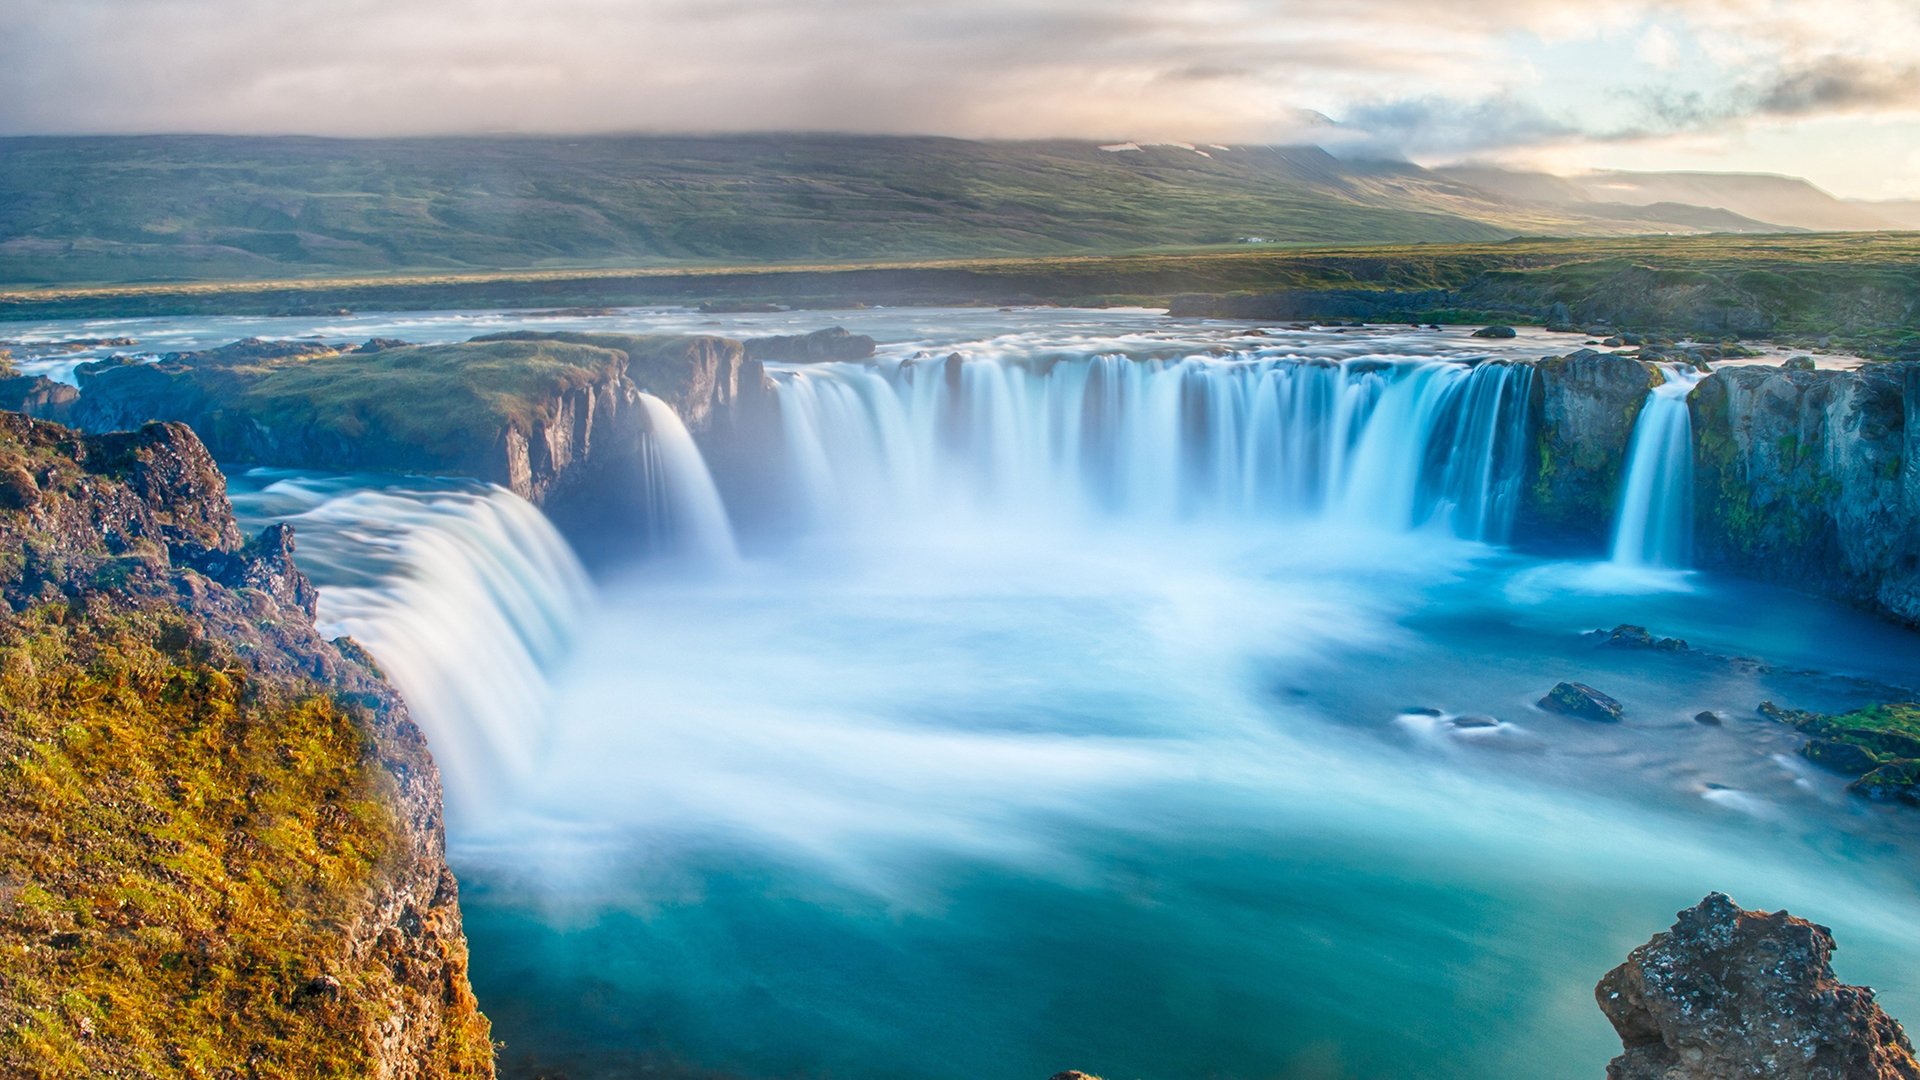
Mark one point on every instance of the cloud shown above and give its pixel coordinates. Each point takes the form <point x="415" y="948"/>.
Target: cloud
<point x="1836" y="84"/>
<point x="1212" y="70"/>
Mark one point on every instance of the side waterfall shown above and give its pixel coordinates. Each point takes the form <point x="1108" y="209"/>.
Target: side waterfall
<point x="1393" y="443"/>
<point x="467" y="598"/>
<point x="685" y="517"/>
<point x="1654" y="525"/>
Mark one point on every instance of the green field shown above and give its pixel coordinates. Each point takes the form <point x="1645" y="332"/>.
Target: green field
<point x="1858" y="290"/>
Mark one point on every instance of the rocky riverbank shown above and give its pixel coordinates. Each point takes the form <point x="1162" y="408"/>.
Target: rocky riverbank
<point x="220" y="835"/>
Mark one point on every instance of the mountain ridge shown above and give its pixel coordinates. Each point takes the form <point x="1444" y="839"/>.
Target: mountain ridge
<point x="116" y="209"/>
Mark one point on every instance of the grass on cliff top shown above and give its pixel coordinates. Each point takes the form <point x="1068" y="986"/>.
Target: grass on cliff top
<point x="429" y="397"/>
<point x="654" y="361"/>
<point x="181" y="849"/>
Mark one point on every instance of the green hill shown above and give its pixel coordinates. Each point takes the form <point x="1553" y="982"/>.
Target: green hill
<point x="159" y="208"/>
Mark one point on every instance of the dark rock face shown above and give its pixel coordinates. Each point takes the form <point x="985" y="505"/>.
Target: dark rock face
<point x="1584" y="702"/>
<point x="38" y="395"/>
<point x="1812" y="479"/>
<point x="834" y="343"/>
<point x="1585" y="405"/>
<point x="133" y="521"/>
<point x="1729" y="994"/>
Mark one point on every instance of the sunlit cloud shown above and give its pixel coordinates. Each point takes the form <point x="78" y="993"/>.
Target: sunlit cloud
<point x="1403" y="76"/>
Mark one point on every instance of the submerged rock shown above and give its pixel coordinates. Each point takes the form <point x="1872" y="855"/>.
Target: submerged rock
<point x="1879" y="745"/>
<point x="1628" y="636"/>
<point x="1728" y="993"/>
<point x="1897" y="781"/>
<point x="1496" y="332"/>
<point x="1582" y="701"/>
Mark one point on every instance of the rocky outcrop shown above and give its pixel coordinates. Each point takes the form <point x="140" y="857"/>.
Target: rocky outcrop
<point x="555" y="418"/>
<point x="1729" y="994"/>
<point x="1812" y="479"/>
<point x="233" y="824"/>
<point x="833" y="343"/>
<point x="582" y="466"/>
<point x="1584" y="409"/>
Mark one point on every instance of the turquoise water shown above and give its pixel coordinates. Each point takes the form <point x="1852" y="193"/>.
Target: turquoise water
<point x="995" y="806"/>
<point x="998" y="780"/>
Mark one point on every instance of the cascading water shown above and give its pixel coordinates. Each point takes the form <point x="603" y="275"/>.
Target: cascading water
<point x="1654" y="525"/>
<point x="1044" y="763"/>
<point x="1394" y="443"/>
<point x="685" y="517"/>
<point x="467" y="597"/>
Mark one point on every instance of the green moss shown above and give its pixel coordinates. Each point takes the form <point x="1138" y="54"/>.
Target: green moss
<point x="182" y="848"/>
<point x="1887" y="732"/>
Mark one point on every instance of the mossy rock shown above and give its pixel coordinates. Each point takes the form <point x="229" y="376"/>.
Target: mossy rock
<point x="1897" y="781"/>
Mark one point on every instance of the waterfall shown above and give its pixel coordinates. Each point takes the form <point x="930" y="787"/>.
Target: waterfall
<point x="685" y="517"/>
<point x="467" y="598"/>
<point x="1394" y="442"/>
<point x="1654" y="525"/>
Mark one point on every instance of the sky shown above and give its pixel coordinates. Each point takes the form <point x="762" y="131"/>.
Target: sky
<point x="1826" y="89"/>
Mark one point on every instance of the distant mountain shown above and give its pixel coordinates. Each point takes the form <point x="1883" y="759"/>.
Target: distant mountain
<point x="120" y="209"/>
<point x="1755" y="197"/>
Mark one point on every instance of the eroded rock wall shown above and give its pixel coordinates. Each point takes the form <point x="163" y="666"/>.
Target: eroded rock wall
<point x="1810" y="479"/>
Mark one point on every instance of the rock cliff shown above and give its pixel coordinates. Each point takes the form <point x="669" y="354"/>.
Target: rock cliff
<point x="553" y="417"/>
<point x="1584" y="409"/>
<point x="1812" y="479"/>
<point x="220" y="835"/>
<point x="1729" y="994"/>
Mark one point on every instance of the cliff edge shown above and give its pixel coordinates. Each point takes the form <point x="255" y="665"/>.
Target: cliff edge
<point x="220" y="835"/>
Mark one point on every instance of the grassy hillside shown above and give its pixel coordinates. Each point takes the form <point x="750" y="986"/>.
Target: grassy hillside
<point x="209" y="208"/>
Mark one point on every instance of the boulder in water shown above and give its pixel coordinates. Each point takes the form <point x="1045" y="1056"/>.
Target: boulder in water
<point x="1628" y="636"/>
<point x="1800" y="363"/>
<point x="1496" y="332"/>
<point x="1584" y="702"/>
<point x="1729" y="993"/>
<point x="1896" y="781"/>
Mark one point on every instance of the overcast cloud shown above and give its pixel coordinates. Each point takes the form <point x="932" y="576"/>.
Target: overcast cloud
<point x="1430" y="78"/>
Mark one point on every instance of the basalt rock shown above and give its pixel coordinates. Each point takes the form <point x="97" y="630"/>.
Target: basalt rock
<point x="1729" y="994"/>
<point x="1812" y="479"/>
<point x="1584" y="408"/>
<point x="1582" y="701"/>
